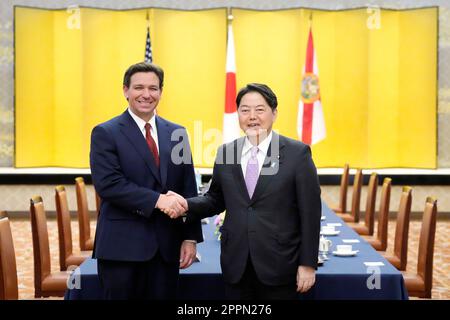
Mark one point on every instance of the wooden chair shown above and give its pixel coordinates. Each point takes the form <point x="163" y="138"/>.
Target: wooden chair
<point x="84" y="223"/>
<point x="66" y="256"/>
<point x="8" y="269"/>
<point x="420" y="284"/>
<point x="46" y="283"/>
<point x="353" y="216"/>
<point x="380" y="241"/>
<point x="369" y="218"/>
<point x="3" y="214"/>
<point x="400" y="257"/>
<point x="342" y="207"/>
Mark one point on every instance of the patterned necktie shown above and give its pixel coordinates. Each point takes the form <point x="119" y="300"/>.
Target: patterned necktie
<point x="251" y="172"/>
<point x="151" y="143"/>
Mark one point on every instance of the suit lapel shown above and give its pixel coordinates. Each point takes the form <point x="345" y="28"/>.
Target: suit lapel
<point x="270" y="167"/>
<point x="164" y="143"/>
<point x="137" y="140"/>
<point x="237" y="168"/>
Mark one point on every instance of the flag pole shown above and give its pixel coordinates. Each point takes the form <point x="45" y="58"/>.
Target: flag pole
<point x="230" y="14"/>
<point x="148" y="50"/>
<point x="147" y="17"/>
<point x="148" y="20"/>
<point x="229" y="17"/>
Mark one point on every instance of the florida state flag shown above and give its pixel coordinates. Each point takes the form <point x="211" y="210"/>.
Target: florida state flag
<point x="310" y="120"/>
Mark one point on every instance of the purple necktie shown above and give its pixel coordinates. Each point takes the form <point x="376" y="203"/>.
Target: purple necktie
<point x="251" y="172"/>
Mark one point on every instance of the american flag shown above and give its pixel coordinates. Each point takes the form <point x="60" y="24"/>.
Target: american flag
<point x="148" y="48"/>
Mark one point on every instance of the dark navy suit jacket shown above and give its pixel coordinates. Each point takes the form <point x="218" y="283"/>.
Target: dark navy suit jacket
<point x="279" y="226"/>
<point x="127" y="179"/>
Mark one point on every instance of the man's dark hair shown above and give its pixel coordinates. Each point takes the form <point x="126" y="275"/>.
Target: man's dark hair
<point x="143" y="67"/>
<point x="262" y="89"/>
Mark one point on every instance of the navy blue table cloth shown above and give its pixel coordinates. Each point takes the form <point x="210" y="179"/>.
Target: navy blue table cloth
<point x="338" y="278"/>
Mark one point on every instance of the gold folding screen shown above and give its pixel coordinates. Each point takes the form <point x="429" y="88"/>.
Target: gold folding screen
<point x="378" y="82"/>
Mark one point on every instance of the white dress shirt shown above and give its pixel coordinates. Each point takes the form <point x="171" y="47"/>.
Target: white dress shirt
<point x="141" y="124"/>
<point x="261" y="155"/>
<point x="154" y="132"/>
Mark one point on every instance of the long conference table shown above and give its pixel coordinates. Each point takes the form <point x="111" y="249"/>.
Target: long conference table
<point x="364" y="276"/>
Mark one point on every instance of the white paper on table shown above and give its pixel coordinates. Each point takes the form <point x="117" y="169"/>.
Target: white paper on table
<point x="374" y="264"/>
<point x="334" y="224"/>
<point x="198" y="257"/>
<point x="350" y="241"/>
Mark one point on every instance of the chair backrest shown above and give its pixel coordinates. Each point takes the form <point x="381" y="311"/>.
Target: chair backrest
<point x="356" y="196"/>
<point x="41" y="248"/>
<point x="83" y="213"/>
<point x="402" y="227"/>
<point x="383" y="213"/>
<point x="8" y="270"/>
<point x="369" y="218"/>
<point x="343" y="189"/>
<point x="426" y="244"/>
<point x="64" y="227"/>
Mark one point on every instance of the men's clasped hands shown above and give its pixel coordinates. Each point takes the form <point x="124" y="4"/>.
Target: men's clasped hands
<point x="172" y="204"/>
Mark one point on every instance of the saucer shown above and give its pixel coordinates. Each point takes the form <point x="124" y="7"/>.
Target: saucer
<point x="345" y="254"/>
<point x="332" y="233"/>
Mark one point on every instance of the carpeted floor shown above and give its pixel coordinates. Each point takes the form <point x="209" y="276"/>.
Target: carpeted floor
<point x="21" y="230"/>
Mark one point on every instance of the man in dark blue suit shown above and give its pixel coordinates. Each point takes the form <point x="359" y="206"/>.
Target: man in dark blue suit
<point x="138" y="247"/>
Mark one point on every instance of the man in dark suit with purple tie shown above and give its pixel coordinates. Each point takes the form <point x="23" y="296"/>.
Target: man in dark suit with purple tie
<point x="268" y="185"/>
<point x="139" y="249"/>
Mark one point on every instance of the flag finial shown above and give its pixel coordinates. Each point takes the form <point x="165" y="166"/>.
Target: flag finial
<point x="147" y="17"/>
<point x="310" y="16"/>
<point x="148" y="56"/>
<point x="230" y="14"/>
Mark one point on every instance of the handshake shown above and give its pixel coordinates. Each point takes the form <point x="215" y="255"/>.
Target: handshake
<point x="172" y="204"/>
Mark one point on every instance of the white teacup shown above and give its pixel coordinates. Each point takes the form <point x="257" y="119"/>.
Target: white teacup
<point x="344" y="248"/>
<point x="324" y="244"/>
<point x="328" y="229"/>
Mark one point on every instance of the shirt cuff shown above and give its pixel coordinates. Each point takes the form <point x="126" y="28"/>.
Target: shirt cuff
<point x="192" y="241"/>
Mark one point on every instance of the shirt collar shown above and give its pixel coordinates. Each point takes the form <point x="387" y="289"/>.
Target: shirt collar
<point x="141" y="123"/>
<point x="263" y="146"/>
